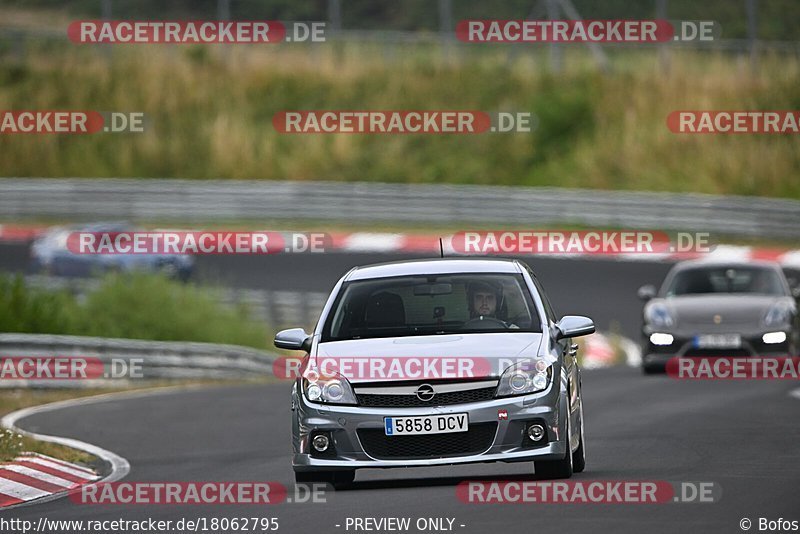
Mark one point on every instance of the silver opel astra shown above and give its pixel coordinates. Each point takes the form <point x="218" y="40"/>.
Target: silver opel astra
<point x="437" y="362"/>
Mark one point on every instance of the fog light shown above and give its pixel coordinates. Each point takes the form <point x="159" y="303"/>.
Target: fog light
<point x="661" y="339"/>
<point x="321" y="442"/>
<point x="771" y="338"/>
<point x="536" y="432"/>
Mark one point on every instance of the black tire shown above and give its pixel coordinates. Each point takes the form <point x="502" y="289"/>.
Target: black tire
<point x="652" y="370"/>
<point x="551" y="469"/>
<point x="337" y="479"/>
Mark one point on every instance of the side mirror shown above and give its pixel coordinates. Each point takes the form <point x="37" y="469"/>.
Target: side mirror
<point x="293" y="339"/>
<point x="574" y="326"/>
<point x="647" y="292"/>
<point x="796" y="292"/>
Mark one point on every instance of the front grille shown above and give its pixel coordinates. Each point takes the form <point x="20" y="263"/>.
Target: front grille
<point x="476" y="440"/>
<point x="441" y="399"/>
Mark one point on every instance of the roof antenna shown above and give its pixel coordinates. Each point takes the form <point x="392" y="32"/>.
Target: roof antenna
<point x="441" y="248"/>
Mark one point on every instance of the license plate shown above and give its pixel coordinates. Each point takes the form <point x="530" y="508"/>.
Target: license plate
<point x="718" y="341"/>
<point x="429" y="424"/>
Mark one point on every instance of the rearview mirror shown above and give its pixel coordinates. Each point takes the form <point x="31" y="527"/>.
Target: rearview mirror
<point x="442" y="288"/>
<point x="647" y="292"/>
<point x="574" y="326"/>
<point x="293" y="339"/>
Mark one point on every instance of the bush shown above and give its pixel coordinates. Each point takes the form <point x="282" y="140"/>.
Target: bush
<point x="35" y="311"/>
<point x="133" y="306"/>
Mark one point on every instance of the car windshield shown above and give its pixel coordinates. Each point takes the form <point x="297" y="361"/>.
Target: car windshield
<point x="755" y="280"/>
<point x="430" y="305"/>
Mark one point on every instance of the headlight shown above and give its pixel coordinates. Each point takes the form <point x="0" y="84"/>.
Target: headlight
<point x="659" y="317"/>
<point x="657" y="338"/>
<point x="773" y="338"/>
<point x="779" y="314"/>
<point x="525" y="377"/>
<point x="329" y="389"/>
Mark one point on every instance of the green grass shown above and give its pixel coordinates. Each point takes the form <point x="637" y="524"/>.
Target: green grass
<point x="132" y="306"/>
<point x="13" y="444"/>
<point x="210" y="114"/>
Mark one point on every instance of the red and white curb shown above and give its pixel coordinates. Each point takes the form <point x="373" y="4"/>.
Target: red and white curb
<point x="421" y="243"/>
<point x="47" y="488"/>
<point x="13" y="233"/>
<point x="34" y="476"/>
<point x="385" y="242"/>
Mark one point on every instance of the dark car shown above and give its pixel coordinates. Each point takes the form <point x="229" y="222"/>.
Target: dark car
<point x="50" y="255"/>
<point x="719" y="309"/>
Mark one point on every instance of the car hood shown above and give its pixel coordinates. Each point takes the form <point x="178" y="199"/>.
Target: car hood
<point x="720" y="309"/>
<point x="487" y="349"/>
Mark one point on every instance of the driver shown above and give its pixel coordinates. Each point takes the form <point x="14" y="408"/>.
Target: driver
<point x="484" y="299"/>
<point x="486" y="302"/>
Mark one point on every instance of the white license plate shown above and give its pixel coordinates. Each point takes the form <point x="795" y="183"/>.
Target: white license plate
<point x="718" y="341"/>
<point x="429" y="424"/>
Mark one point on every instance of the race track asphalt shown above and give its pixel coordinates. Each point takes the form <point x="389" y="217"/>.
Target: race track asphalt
<point x="742" y="436"/>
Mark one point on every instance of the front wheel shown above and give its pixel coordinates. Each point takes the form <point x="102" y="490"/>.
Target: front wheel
<point x="652" y="369"/>
<point x="562" y="468"/>
<point x="337" y="479"/>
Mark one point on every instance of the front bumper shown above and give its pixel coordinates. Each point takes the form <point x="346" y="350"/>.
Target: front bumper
<point x="683" y="345"/>
<point x="343" y="423"/>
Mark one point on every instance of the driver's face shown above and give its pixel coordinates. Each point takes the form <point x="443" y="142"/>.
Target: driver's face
<point x="484" y="303"/>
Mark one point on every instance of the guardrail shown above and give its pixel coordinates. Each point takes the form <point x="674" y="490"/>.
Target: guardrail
<point x="159" y="359"/>
<point x="237" y="200"/>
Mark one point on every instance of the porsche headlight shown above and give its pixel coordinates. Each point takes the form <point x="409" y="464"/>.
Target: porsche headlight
<point x="528" y="376"/>
<point x="779" y="314"/>
<point x="658" y="316"/>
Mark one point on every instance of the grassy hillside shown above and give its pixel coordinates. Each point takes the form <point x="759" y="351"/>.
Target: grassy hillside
<point x="210" y="112"/>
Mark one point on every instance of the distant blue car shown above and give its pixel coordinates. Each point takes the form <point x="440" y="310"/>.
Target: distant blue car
<point x="50" y="255"/>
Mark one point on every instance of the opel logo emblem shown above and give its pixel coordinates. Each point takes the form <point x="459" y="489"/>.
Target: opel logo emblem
<point x="425" y="392"/>
<point x="717" y="319"/>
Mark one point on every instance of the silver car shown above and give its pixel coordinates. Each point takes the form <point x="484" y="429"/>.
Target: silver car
<point x="494" y="378"/>
<point x="719" y="308"/>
